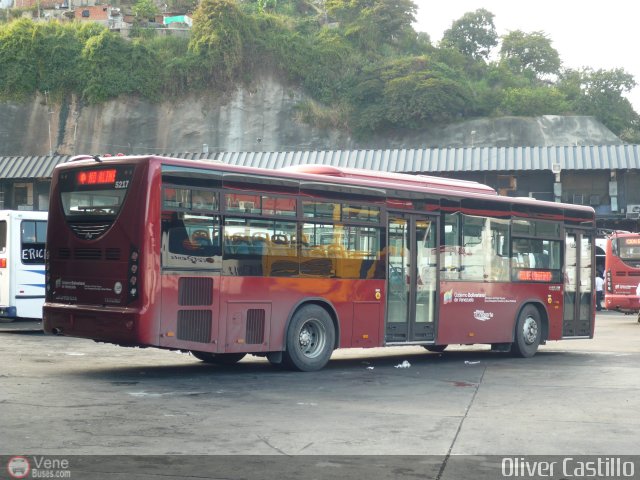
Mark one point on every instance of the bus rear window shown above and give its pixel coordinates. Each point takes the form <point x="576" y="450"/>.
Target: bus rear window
<point x="91" y="192"/>
<point x="95" y="202"/>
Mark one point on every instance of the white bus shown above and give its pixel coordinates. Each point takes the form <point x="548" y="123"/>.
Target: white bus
<point x="22" y="246"/>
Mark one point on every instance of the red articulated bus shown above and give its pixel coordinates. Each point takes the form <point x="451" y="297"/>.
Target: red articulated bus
<point x="291" y="264"/>
<point x="622" y="272"/>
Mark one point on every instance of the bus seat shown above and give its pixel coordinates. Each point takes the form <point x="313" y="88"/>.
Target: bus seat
<point x="241" y="244"/>
<point x="260" y="236"/>
<point x="315" y="251"/>
<point x="336" y="251"/>
<point x="259" y="244"/>
<point x="304" y="242"/>
<point x="279" y="239"/>
<point x="201" y="238"/>
<point x="178" y="239"/>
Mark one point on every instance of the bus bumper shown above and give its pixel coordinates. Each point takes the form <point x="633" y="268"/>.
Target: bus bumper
<point x="8" y="312"/>
<point x="622" y="303"/>
<point x="101" y="324"/>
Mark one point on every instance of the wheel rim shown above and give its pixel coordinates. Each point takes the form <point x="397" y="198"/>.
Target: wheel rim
<point x="530" y="330"/>
<point x="312" y="338"/>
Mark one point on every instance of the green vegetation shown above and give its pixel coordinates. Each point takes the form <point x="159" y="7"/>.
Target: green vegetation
<point x="361" y="63"/>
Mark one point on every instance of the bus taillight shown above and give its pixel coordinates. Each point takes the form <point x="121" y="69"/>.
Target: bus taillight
<point x="608" y="280"/>
<point x="3" y="263"/>
<point x="133" y="274"/>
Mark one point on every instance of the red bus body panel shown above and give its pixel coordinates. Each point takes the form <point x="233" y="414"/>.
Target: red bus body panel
<point x="485" y="313"/>
<point x="353" y="301"/>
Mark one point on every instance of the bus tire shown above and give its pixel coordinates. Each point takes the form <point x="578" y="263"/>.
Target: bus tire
<point x="435" y="348"/>
<point x="219" y="358"/>
<point x="528" y="333"/>
<point x="310" y="339"/>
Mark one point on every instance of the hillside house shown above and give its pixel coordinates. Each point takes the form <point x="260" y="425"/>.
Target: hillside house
<point x="95" y="13"/>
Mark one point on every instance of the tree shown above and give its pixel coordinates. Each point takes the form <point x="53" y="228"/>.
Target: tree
<point x="218" y="37"/>
<point x="371" y="23"/>
<point x="113" y="66"/>
<point x="56" y="50"/>
<point x="264" y="5"/>
<point x="542" y="100"/>
<point x="529" y="53"/>
<point x="474" y="34"/>
<point x="409" y="93"/>
<point x="18" y="73"/>
<point x="600" y="93"/>
<point x="145" y="10"/>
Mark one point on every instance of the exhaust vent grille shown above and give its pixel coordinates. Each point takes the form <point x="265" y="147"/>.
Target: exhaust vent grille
<point x="195" y="291"/>
<point x="112" y="254"/>
<point x="255" y="326"/>
<point x="194" y="325"/>
<point x="87" y="254"/>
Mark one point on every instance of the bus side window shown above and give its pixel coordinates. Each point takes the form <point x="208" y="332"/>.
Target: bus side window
<point x="28" y="231"/>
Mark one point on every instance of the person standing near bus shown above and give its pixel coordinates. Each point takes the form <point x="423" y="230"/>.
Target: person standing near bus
<point x="599" y="291"/>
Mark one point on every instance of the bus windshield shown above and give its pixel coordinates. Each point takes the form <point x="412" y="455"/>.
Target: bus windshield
<point x="628" y="250"/>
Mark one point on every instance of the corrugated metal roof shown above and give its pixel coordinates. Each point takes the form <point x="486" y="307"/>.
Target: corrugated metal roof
<point x="446" y="160"/>
<point x="425" y="160"/>
<point x="30" y="167"/>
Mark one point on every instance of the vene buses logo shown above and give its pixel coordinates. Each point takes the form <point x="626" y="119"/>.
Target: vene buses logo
<point x="38" y="467"/>
<point x="18" y="467"/>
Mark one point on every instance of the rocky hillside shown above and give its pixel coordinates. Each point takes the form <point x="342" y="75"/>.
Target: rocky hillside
<point x="260" y="117"/>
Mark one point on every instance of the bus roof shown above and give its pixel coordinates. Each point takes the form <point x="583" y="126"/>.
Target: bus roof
<point x="390" y="184"/>
<point x="623" y="233"/>
<point x="399" y="178"/>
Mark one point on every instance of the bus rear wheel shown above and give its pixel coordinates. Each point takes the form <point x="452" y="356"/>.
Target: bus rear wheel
<point x="310" y="339"/>
<point x="528" y="333"/>
<point x="219" y="358"/>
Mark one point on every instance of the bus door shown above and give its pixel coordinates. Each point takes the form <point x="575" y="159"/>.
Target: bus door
<point x="191" y="264"/>
<point x="578" y="284"/>
<point x="412" y="279"/>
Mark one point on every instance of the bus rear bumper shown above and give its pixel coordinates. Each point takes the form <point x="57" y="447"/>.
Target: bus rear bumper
<point x="8" y="312"/>
<point x="113" y="325"/>
<point x="622" y="303"/>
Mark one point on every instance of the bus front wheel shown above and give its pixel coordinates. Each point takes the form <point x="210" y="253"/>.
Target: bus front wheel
<point x="310" y="339"/>
<point x="528" y="333"/>
<point x="219" y="358"/>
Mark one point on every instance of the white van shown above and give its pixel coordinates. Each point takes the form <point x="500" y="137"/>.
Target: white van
<point x="22" y="248"/>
